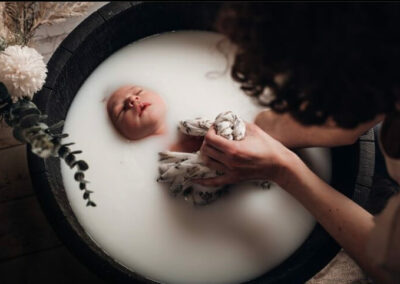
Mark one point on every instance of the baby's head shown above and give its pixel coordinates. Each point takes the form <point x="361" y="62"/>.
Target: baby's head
<point x="136" y="112"/>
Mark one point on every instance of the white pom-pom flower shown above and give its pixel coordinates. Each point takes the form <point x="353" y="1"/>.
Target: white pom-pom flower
<point x="22" y="71"/>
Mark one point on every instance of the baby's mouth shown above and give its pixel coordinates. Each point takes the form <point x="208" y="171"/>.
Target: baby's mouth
<point x="142" y="108"/>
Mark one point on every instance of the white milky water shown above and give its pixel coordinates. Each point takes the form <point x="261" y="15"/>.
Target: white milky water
<point x="136" y="222"/>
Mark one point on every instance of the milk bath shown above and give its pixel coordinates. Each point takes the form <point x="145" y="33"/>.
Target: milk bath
<point x="136" y="222"/>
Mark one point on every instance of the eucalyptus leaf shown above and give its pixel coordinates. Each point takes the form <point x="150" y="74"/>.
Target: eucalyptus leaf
<point x="29" y="120"/>
<point x="91" y="203"/>
<point x="79" y="176"/>
<point x="63" y="151"/>
<point x="56" y="125"/>
<point x="70" y="159"/>
<point x="82" y="165"/>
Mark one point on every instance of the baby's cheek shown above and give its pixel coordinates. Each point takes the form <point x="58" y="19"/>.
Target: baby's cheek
<point x="160" y="106"/>
<point x="156" y="116"/>
<point x="129" y="126"/>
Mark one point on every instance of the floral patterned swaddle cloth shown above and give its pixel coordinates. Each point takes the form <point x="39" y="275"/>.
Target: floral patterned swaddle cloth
<point x="179" y="168"/>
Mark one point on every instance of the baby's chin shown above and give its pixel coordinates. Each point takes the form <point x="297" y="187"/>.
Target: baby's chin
<point x="138" y="134"/>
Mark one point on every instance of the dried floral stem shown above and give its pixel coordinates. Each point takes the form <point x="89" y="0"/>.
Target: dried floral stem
<point x="22" y="19"/>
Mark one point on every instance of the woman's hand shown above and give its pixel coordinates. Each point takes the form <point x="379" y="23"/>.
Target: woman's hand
<point x="257" y="156"/>
<point x="186" y="143"/>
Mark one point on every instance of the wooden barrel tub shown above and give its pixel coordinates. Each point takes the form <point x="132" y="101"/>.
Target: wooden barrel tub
<point x="101" y="34"/>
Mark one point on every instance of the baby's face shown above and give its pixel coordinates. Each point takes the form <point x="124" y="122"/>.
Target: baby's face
<point x="136" y="112"/>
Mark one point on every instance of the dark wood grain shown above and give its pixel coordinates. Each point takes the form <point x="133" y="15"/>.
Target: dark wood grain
<point x="24" y="229"/>
<point x="15" y="181"/>
<point x="6" y="137"/>
<point x="41" y="98"/>
<point x="88" y="26"/>
<point x="113" y="9"/>
<point x="57" y="62"/>
<point x="50" y="266"/>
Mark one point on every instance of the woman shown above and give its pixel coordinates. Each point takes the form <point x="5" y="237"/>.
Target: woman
<point x="333" y="71"/>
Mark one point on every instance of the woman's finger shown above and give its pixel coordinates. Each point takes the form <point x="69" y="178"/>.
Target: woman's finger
<point x="218" y="142"/>
<point x="213" y="164"/>
<point x="217" y="181"/>
<point x="209" y="151"/>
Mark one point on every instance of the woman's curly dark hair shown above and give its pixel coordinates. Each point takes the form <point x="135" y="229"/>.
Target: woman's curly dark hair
<point x="341" y="60"/>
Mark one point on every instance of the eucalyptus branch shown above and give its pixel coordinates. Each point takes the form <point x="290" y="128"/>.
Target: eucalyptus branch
<point x="28" y="126"/>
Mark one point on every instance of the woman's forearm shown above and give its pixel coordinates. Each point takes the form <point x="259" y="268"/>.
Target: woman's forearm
<point x="259" y="156"/>
<point x="292" y="134"/>
<point x="347" y="222"/>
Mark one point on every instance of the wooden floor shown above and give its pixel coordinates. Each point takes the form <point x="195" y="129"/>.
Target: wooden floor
<point x="30" y="251"/>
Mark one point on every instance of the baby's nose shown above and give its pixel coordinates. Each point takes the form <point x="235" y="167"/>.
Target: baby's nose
<point x="131" y="101"/>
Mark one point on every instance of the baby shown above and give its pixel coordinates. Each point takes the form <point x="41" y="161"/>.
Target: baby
<point x="137" y="112"/>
